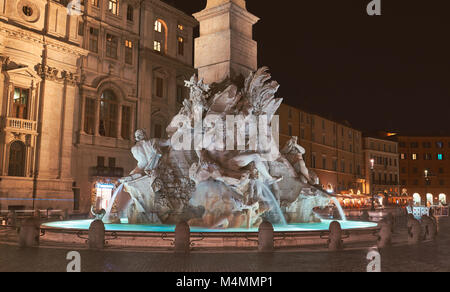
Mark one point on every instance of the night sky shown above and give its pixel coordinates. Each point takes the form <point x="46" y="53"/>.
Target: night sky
<point x="388" y="72"/>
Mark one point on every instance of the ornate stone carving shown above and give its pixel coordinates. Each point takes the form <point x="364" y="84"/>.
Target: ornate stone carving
<point x="53" y="74"/>
<point x="216" y="187"/>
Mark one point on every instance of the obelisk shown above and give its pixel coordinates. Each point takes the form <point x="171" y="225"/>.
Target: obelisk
<point x="225" y="47"/>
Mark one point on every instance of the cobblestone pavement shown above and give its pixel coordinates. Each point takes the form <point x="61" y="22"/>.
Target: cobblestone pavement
<point x="428" y="256"/>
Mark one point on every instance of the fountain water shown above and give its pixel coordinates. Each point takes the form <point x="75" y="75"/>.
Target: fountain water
<point x="339" y="207"/>
<point x="117" y="191"/>
<point x="275" y="205"/>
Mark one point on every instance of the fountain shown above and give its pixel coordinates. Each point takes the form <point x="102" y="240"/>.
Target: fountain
<point x="218" y="171"/>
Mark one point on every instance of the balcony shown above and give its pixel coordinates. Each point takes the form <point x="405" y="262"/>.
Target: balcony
<point x="14" y="124"/>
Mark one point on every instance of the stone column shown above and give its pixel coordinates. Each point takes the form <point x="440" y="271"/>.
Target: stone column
<point x="265" y="237"/>
<point x="182" y="238"/>
<point x="225" y="47"/>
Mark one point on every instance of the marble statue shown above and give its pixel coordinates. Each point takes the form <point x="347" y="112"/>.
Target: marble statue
<point x="226" y="175"/>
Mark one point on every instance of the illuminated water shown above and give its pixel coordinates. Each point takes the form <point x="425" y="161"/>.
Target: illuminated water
<point x="324" y="225"/>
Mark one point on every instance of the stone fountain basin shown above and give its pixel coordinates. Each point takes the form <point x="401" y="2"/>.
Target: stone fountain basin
<point x="307" y="236"/>
<point x="300" y="227"/>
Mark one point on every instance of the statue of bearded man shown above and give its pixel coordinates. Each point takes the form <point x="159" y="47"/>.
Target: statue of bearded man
<point x="147" y="154"/>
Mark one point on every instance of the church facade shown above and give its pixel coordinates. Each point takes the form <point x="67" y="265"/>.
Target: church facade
<point x="77" y="78"/>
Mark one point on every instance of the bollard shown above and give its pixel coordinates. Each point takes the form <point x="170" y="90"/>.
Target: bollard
<point x="414" y="230"/>
<point x="96" y="237"/>
<point x="335" y="241"/>
<point x="29" y="232"/>
<point x="429" y="228"/>
<point x="265" y="237"/>
<point x="385" y="234"/>
<point x="182" y="238"/>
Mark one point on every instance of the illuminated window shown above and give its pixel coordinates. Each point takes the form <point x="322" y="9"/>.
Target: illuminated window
<point x="181" y="27"/>
<point x="180" y="46"/>
<point x="157" y="46"/>
<point x="402" y="156"/>
<point x="158" y="26"/>
<point x="129" y="52"/>
<point x="440" y="156"/>
<point x="414" y="156"/>
<point x="20" y="103"/>
<point x="113" y="7"/>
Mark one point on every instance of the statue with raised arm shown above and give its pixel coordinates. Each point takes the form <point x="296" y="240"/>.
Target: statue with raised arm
<point x="294" y="154"/>
<point x="147" y="153"/>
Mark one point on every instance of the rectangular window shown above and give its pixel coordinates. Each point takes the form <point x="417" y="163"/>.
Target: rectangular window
<point x="111" y="162"/>
<point x="95" y="3"/>
<point x="181" y="46"/>
<point x="100" y="161"/>
<point x="414" y="156"/>
<point x="93" y="40"/>
<point x="20" y="103"/>
<point x="111" y="46"/>
<point x="129" y="52"/>
<point x="313" y="161"/>
<point x="81" y="28"/>
<point x="89" y="116"/>
<point x="158" y="26"/>
<point x="440" y="156"/>
<point x="180" y="27"/>
<point x="130" y="13"/>
<point x="126" y="122"/>
<point x="159" y="87"/>
<point x="157" y="46"/>
<point x="113" y="7"/>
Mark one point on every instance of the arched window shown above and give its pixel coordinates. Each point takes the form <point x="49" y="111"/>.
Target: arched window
<point x="108" y="114"/>
<point x="17" y="154"/>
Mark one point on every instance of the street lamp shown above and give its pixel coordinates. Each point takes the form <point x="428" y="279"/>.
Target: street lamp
<point x="372" y="179"/>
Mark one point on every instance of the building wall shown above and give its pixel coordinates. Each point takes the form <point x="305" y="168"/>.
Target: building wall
<point x="40" y="53"/>
<point x="333" y="150"/>
<point x="91" y="78"/>
<point x="426" y="152"/>
<point x="384" y="178"/>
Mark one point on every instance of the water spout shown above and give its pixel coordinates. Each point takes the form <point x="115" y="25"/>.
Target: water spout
<point x="113" y="200"/>
<point x="339" y="207"/>
<point x="268" y="195"/>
